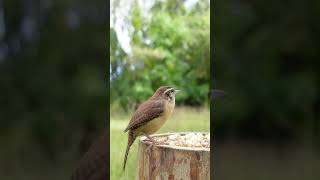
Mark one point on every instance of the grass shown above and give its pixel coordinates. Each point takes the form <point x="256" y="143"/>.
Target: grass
<point x="183" y="119"/>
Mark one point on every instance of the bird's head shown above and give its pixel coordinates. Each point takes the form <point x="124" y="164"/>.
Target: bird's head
<point x="166" y="92"/>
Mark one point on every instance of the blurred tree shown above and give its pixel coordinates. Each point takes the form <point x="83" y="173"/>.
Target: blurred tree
<point x="265" y="58"/>
<point x="172" y="47"/>
<point x="51" y="70"/>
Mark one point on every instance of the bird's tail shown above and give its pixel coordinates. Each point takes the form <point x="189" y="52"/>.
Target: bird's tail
<point x="131" y="139"/>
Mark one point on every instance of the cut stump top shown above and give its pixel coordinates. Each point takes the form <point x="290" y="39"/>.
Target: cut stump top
<point x="190" y="141"/>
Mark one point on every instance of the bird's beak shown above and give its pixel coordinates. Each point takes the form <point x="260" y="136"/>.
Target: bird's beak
<point x="176" y="91"/>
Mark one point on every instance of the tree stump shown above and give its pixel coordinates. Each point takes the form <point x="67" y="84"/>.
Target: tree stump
<point x="169" y="161"/>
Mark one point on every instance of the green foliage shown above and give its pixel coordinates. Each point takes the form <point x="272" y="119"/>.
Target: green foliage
<point x="173" y="48"/>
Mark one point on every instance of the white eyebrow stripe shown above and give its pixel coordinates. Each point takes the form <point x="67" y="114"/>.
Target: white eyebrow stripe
<point x="167" y="90"/>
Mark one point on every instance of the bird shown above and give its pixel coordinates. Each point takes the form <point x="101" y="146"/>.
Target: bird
<point x="150" y="116"/>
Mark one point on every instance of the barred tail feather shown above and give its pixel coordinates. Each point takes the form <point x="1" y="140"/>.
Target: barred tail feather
<point x="131" y="139"/>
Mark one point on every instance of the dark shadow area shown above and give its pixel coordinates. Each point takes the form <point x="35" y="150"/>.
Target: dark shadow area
<point x="265" y="55"/>
<point x="53" y="85"/>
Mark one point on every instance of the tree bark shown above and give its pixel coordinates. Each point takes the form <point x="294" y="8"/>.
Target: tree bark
<point x="162" y="162"/>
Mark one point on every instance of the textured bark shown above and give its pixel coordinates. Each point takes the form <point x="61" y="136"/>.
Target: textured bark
<point x="164" y="162"/>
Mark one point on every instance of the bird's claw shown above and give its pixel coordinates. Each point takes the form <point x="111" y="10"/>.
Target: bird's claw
<point x="149" y="148"/>
<point x="150" y="145"/>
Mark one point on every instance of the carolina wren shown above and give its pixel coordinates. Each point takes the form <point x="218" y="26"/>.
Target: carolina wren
<point x="150" y="116"/>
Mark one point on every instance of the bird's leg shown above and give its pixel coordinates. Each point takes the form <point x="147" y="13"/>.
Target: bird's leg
<point x="149" y="149"/>
<point x="150" y="144"/>
<point x="151" y="139"/>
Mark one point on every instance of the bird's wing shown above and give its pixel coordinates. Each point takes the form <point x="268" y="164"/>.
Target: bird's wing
<point x="146" y="112"/>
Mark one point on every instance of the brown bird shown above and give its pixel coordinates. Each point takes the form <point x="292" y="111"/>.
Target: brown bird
<point x="150" y="116"/>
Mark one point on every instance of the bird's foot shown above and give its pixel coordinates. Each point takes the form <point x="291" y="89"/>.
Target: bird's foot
<point x="149" y="148"/>
<point x="151" y="142"/>
<point x="151" y="139"/>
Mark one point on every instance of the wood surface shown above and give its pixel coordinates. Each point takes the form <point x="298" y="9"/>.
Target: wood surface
<point x="172" y="163"/>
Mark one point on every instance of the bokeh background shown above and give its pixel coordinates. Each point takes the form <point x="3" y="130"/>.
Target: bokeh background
<point x="54" y="90"/>
<point x="266" y="56"/>
<point x="155" y="43"/>
<point x="53" y="85"/>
